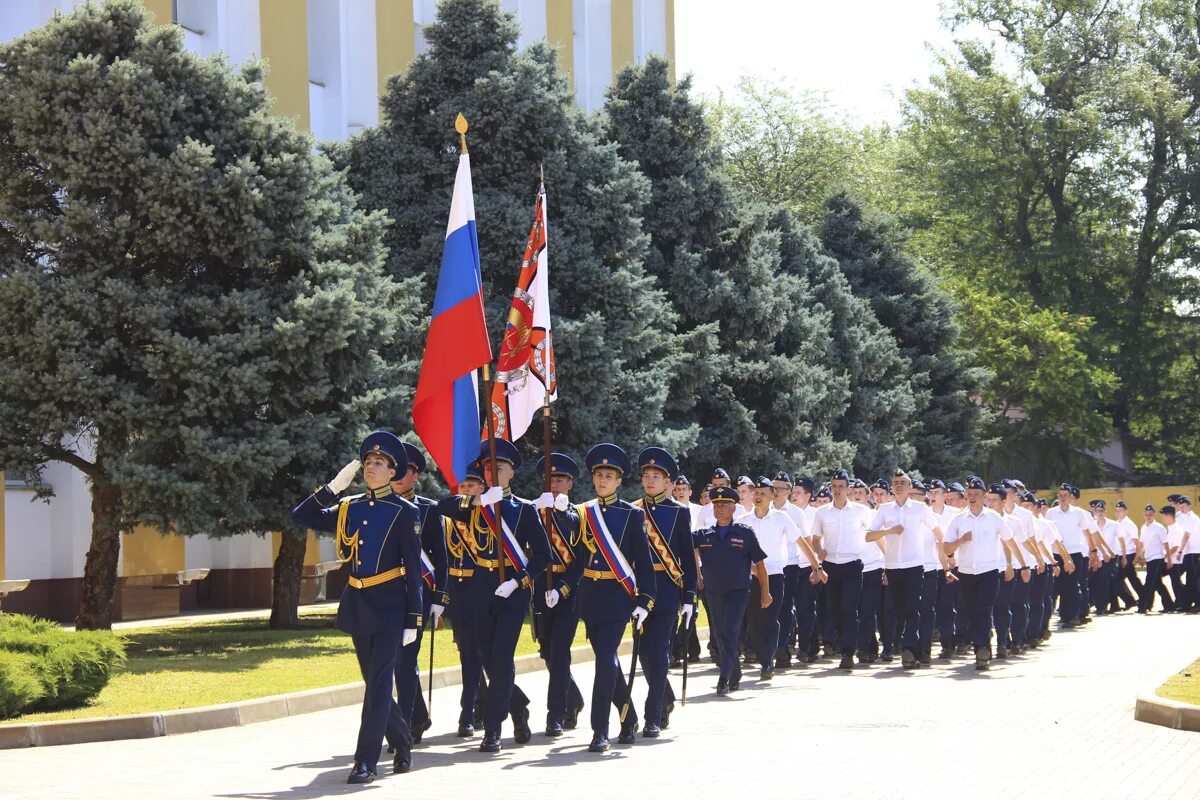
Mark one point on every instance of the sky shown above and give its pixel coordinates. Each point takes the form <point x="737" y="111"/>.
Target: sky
<point x="862" y="53"/>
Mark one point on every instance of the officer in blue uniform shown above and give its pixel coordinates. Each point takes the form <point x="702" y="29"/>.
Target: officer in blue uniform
<point x="500" y="605"/>
<point x="727" y="551"/>
<point x="669" y="534"/>
<point x="618" y="583"/>
<point x="433" y="592"/>
<point x="556" y="610"/>
<point x="380" y="537"/>
<point x="460" y="567"/>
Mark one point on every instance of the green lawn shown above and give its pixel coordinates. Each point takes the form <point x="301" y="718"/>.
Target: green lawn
<point x="1183" y="686"/>
<point x="199" y="664"/>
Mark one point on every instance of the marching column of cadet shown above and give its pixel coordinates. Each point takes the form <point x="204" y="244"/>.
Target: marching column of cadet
<point x="788" y="572"/>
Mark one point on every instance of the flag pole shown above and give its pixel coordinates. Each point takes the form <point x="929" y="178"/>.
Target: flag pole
<point x="461" y="126"/>
<point x="548" y="519"/>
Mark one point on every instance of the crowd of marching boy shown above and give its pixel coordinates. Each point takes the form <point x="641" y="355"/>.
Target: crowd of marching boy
<point x="788" y="572"/>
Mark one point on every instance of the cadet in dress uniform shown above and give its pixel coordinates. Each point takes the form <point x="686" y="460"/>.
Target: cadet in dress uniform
<point x="500" y="606"/>
<point x="669" y="534"/>
<point x="555" y="595"/>
<point x="618" y="583"/>
<point x="460" y="568"/>
<point x="433" y="592"/>
<point x="380" y="608"/>
<point x="728" y="550"/>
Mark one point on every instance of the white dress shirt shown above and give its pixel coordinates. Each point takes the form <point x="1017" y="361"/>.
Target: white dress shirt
<point x="908" y="548"/>
<point x="1047" y="533"/>
<point x="985" y="550"/>
<point x="1129" y="530"/>
<point x="775" y="531"/>
<point x="1072" y="524"/>
<point x="796" y="556"/>
<point x="1189" y="523"/>
<point x="843" y="531"/>
<point x="1154" y="541"/>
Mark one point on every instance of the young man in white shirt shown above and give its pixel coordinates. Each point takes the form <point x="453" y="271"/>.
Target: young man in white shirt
<point x="1152" y="549"/>
<point x="807" y="593"/>
<point x="706" y="519"/>
<point x="1055" y="556"/>
<point x="1102" y="580"/>
<point x="1189" y="550"/>
<point x="983" y="543"/>
<point x="841" y="528"/>
<point x="782" y="489"/>
<point x="1021" y="521"/>
<point x="745" y="490"/>
<point x="944" y="501"/>
<point x="905" y="526"/>
<point x="1125" y="576"/>
<point x="1175" y="537"/>
<point x="775" y="530"/>
<point x="1076" y="528"/>
<point x="681" y="491"/>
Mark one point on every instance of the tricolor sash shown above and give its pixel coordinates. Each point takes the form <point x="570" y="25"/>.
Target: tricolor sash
<point x="661" y="544"/>
<point x="507" y="540"/>
<point x="608" y="548"/>
<point x="427" y="569"/>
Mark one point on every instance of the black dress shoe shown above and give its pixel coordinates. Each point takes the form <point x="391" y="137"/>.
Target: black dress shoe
<point x="572" y="718"/>
<point x="887" y="657"/>
<point x="490" y="743"/>
<point x="735" y="684"/>
<point x="628" y="733"/>
<point x="521" y="732"/>
<point x="651" y="731"/>
<point x="465" y="730"/>
<point x="666" y="716"/>
<point x="599" y="744"/>
<point x="766" y="673"/>
<point x="947" y="653"/>
<point x="1001" y="652"/>
<point x="982" y="658"/>
<point x="926" y="658"/>
<point x="477" y="720"/>
<point x="846" y="663"/>
<point x="419" y="730"/>
<point x="722" y="687"/>
<point x="402" y="763"/>
<point x="554" y="729"/>
<point x="360" y="774"/>
<point x="908" y="659"/>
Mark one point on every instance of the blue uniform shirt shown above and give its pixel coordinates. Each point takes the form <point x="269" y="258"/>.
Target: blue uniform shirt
<point x="726" y="554"/>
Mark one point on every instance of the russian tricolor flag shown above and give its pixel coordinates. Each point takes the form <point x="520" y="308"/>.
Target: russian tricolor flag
<point x="446" y="407"/>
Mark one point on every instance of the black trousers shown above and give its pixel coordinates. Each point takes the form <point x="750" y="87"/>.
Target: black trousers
<point x="764" y="622"/>
<point x="843" y="591"/>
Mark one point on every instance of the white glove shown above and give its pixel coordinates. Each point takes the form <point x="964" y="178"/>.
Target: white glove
<point x="687" y="615"/>
<point x="491" y="496"/>
<point x="639" y="616"/>
<point x="545" y="500"/>
<point x="552" y="598"/>
<point x="506" y="588"/>
<point x="561" y="503"/>
<point x="342" y="480"/>
<point x="410" y="636"/>
<point x="435" y="612"/>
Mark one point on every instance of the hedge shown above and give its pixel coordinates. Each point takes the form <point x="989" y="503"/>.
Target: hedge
<point x="44" y="667"/>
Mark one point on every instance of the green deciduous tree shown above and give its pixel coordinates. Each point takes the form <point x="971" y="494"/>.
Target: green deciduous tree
<point x="190" y="302"/>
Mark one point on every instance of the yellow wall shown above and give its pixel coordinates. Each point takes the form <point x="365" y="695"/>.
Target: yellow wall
<point x="284" y="31"/>
<point x="1135" y="498"/>
<point x="312" y="548"/>
<point x="161" y="9"/>
<point x="395" y="45"/>
<point x="145" y="551"/>
<point x="560" y="32"/>
<point x="622" y="35"/>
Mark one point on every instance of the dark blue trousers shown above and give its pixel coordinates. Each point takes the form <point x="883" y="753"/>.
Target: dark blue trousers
<point x="408" y="672"/>
<point x="950" y="626"/>
<point x="471" y="665"/>
<point x="764" y="622"/>
<point x="655" y="648"/>
<point x="1153" y="584"/>
<point x="609" y="687"/>
<point x="844" y="590"/>
<point x="496" y="635"/>
<point x="904" y="586"/>
<point x="787" y="609"/>
<point x="1020" y="609"/>
<point x="979" y="598"/>
<point x="1037" y="604"/>
<point x="1100" y="585"/>
<point x="555" y="637"/>
<point x="727" y="609"/>
<point x="1002" y="610"/>
<point x="889" y="629"/>
<point x="380" y="716"/>
<point x="1085" y="595"/>
<point x="929" y="588"/>
<point x="1191" y="568"/>
<point x="806" y="611"/>
<point x="1072" y="602"/>
<point x="869" y="611"/>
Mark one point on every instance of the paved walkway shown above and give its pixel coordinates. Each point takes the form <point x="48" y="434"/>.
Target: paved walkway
<point x="1056" y="724"/>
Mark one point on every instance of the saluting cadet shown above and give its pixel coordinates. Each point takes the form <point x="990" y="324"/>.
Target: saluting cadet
<point x="555" y="595"/>
<point x="381" y="605"/>
<point x="1127" y="577"/>
<point x="669" y="535"/>
<point x="841" y="527"/>
<point x="1076" y="527"/>
<point x="433" y="593"/>
<point x="1152" y="548"/>
<point x="906" y="527"/>
<point x="464" y="615"/>
<point x="1187" y="520"/>
<point x="982" y="542"/>
<point x="516" y="535"/>
<point x="775" y="531"/>
<point x="728" y="550"/>
<point x="618" y="584"/>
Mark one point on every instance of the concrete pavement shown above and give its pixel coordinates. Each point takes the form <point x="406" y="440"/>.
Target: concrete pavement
<point x="1054" y="724"/>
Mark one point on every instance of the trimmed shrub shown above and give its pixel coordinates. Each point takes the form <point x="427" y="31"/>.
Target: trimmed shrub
<point x="68" y="667"/>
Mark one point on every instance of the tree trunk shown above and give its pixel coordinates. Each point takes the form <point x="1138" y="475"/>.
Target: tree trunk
<point x="100" y="568"/>
<point x="285" y="583"/>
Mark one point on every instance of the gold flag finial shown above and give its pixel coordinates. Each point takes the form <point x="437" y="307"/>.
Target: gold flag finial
<point x="460" y="125"/>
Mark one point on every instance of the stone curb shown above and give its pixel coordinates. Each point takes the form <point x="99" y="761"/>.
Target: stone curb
<point x="244" y="712"/>
<point x="1169" y="713"/>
